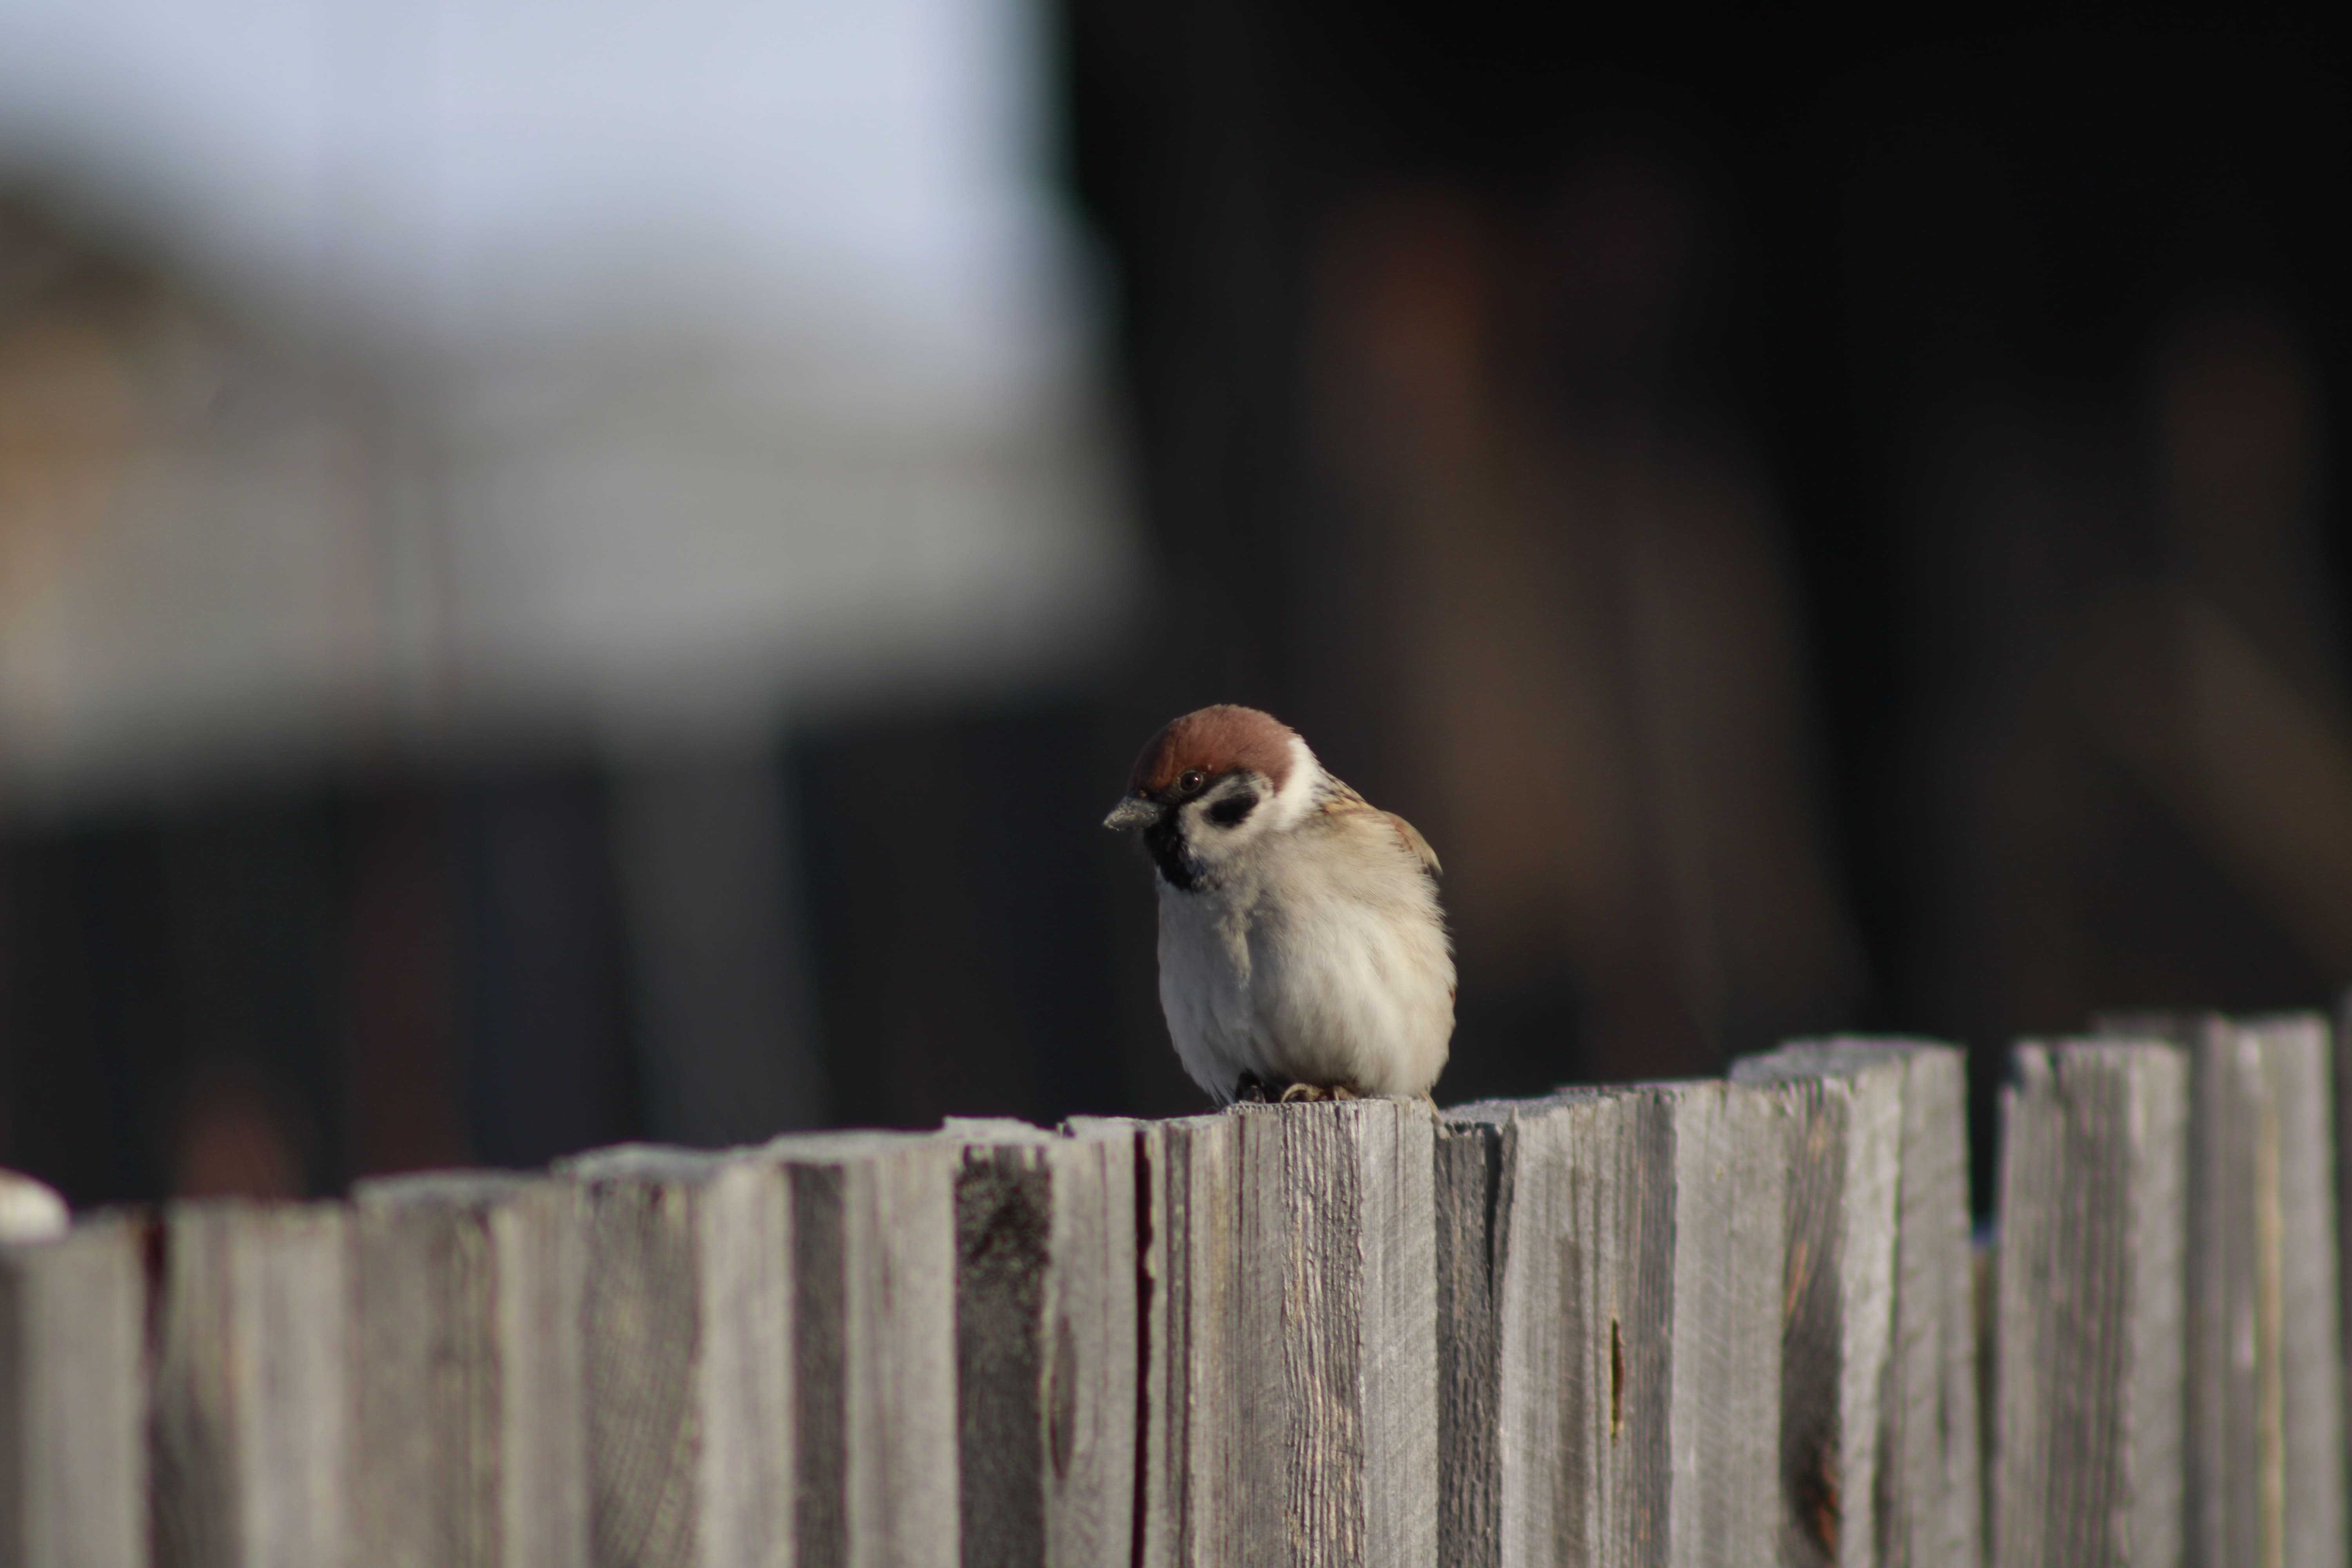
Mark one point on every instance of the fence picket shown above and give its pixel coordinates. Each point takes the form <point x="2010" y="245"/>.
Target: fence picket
<point x="1880" y="1293"/>
<point x="250" y="1438"/>
<point x="466" y="1368"/>
<point x="1047" y="1343"/>
<point x="73" y="1398"/>
<point x="2092" y="1292"/>
<point x="2264" y="1396"/>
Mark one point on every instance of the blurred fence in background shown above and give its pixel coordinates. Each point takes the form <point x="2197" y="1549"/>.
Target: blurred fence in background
<point x="571" y="578"/>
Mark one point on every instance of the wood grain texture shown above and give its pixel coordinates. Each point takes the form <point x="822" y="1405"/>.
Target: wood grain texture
<point x="467" y="1373"/>
<point x="1541" y="1377"/>
<point x="1474" y="1157"/>
<point x="1290" y="1375"/>
<point x="1046" y="1335"/>
<point x="1728" y="1239"/>
<point x="250" y="1435"/>
<point x="2304" y="1399"/>
<point x="874" y="1347"/>
<point x="1838" y="1323"/>
<point x="1336" y="1365"/>
<point x="2340" y="1120"/>
<point x="687" y="1314"/>
<point x="1938" y="1412"/>
<point x="1188" y="1234"/>
<point x="2088" y="1461"/>
<point x="73" y="1399"/>
<point x="2264" y="1393"/>
<point x="1637" y="1240"/>
<point x="1880" y="1437"/>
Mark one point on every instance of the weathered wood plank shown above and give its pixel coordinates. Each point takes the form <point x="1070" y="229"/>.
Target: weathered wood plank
<point x="1472" y="1191"/>
<point x="2296" y="1184"/>
<point x="1337" y="1370"/>
<point x="1637" y="1237"/>
<point x="468" y="1374"/>
<point x="874" y="1347"/>
<point x="2264" y="1391"/>
<point x="1542" y="1382"/>
<point x="250" y="1435"/>
<point x="2340" y="1126"/>
<point x="2088" y="1457"/>
<point x="1879" y="1433"/>
<point x="1045" y="1342"/>
<point x="1838" y="1326"/>
<point x="1188" y="1237"/>
<point x="1728" y="1241"/>
<point x="1939" y="1436"/>
<point x="687" y="1313"/>
<point x="73" y="1399"/>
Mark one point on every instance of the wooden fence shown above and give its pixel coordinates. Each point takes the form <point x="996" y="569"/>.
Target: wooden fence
<point x="1730" y="1323"/>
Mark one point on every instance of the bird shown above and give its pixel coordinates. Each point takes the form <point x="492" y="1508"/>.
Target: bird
<point x="1303" y="952"/>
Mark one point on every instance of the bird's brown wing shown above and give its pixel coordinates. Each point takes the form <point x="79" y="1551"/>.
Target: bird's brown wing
<point x="1343" y="801"/>
<point x="1416" y="843"/>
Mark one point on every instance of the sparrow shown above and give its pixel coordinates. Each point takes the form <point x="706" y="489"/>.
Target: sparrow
<point x="1302" y="951"/>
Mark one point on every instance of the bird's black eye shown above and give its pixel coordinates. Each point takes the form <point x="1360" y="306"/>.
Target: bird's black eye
<point x="1191" y="782"/>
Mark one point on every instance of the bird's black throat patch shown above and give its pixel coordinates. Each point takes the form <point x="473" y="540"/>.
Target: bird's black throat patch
<point x="1164" y="839"/>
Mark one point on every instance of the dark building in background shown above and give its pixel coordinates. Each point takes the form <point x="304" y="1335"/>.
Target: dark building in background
<point x="1823" y="531"/>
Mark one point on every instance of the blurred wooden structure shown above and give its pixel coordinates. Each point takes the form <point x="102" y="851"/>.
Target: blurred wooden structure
<point x="1707" y="1322"/>
<point x="1820" y="534"/>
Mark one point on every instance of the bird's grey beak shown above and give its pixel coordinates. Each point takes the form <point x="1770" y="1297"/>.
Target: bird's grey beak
<point x="1135" y="810"/>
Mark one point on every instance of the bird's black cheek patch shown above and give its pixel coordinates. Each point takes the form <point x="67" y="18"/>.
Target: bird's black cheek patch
<point x="1164" y="839"/>
<point x="1229" y="812"/>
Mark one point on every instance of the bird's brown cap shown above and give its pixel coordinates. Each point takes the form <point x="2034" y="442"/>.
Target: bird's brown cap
<point x="1215" y="741"/>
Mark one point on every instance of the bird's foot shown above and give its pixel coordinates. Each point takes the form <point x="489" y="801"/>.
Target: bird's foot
<point x="1316" y="1091"/>
<point x="1249" y="1090"/>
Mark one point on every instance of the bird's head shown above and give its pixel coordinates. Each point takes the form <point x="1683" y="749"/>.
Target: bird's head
<point x="1211" y="784"/>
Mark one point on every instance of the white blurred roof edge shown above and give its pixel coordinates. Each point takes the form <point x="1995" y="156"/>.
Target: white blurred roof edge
<point x="732" y="362"/>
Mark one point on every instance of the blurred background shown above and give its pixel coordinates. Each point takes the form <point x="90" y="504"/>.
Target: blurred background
<point x="572" y="572"/>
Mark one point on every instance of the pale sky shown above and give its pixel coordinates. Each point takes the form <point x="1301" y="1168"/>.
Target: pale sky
<point x="537" y="169"/>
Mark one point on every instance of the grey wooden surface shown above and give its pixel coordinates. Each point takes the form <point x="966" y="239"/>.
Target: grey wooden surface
<point x="250" y="1436"/>
<point x="1046" y="1343"/>
<point x="2302" y="1399"/>
<point x="1540" y="1364"/>
<point x="73" y="1399"/>
<point x="1838" y="1324"/>
<point x="2089" y="1458"/>
<point x="1290" y="1336"/>
<point x="1474" y="1196"/>
<point x="2265" y="1415"/>
<point x="1723" y="1222"/>
<point x="1936" y="1440"/>
<point x="1335" y="1358"/>
<point x="2340" y="1120"/>
<point x="687" y="1318"/>
<point x="874" y="1347"/>
<point x="1188" y="1231"/>
<point x="468" y="1374"/>
<point x="1879" y="1331"/>
<point x="1628" y="1407"/>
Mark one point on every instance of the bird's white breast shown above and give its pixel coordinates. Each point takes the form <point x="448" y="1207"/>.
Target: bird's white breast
<point x="1320" y="958"/>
